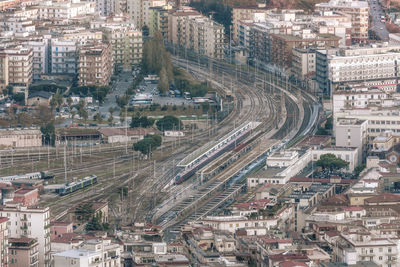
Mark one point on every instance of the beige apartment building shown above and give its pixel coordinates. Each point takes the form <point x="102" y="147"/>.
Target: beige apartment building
<point x="3" y="242"/>
<point x="187" y="28"/>
<point x="20" y="67"/>
<point x="127" y="45"/>
<point x="158" y="21"/>
<point x="23" y="251"/>
<point x="303" y="63"/>
<point x="3" y="70"/>
<point x="95" y="64"/>
<point x="243" y="13"/>
<point x="359" y="11"/>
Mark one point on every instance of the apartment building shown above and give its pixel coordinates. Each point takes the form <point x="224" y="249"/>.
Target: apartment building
<point x="360" y="96"/>
<point x="336" y="23"/>
<point x="361" y="245"/>
<point x="65" y="10"/>
<point x="95" y="64"/>
<point x="127" y="45"/>
<point x="23" y="251"/>
<point x="352" y="133"/>
<point x="64" y="56"/>
<point x="18" y="25"/>
<point x="189" y="29"/>
<point x="303" y="63"/>
<point x="282" y="45"/>
<point x="379" y="120"/>
<point x="101" y="253"/>
<point x="359" y="12"/>
<point x="243" y="13"/>
<point x="3" y="70"/>
<point x="30" y="222"/>
<point x="177" y="24"/>
<point x="20" y="67"/>
<point x="158" y="21"/>
<point x="139" y="10"/>
<point x="6" y="4"/>
<point x="83" y="36"/>
<point x="372" y="65"/>
<point x="105" y="7"/>
<point x="206" y="37"/>
<point x="41" y="56"/>
<point x="4" y="241"/>
<point x="260" y="39"/>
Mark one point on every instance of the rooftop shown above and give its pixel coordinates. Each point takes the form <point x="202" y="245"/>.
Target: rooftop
<point x="75" y="253"/>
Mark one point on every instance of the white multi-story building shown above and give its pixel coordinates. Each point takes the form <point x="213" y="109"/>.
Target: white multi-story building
<point x="31" y="222"/>
<point x="352" y="133"/>
<point x="372" y="65"/>
<point x="359" y="12"/>
<point x="233" y="223"/>
<point x="83" y="36"/>
<point x="379" y="120"/>
<point x="65" y="10"/>
<point x="360" y="97"/>
<point x="18" y="25"/>
<point x="357" y="246"/>
<point x="64" y="57"/>
<point x="41" y="58"/>
<point x="100" y="253"/>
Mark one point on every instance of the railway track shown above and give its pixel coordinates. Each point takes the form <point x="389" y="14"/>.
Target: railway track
<point x="206" y="199"/>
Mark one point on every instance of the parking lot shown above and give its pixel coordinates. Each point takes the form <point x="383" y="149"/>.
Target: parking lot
<point x="151" y="88"/>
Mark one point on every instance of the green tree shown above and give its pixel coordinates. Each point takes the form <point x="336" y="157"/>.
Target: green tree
<point x="84" y="211"/>
<point x="53" y="104"/>
<point x="58" y="99"/>
<point x="19" y="98"/>
<point x="331" y="162"/>
<point x="169" y="123"/>
<point x="110" y="119"/>
<point x="329" y="123"/>
<point x="163" y="84"/>
<point x="148" y="144"/>
<point x="24" y="119"/>
<point x="111" y="110"/>
<point x="205" y="106"/>
<point x="142" y="121"/>
<point x="10" y="90"/>
<point x="48" y="134"/>
<point x="359" y="169"/>
<point x="69" y="103"/>
<point x="321" y="131"/>
<point x="84" y="115"/>
<point x="97" y="117"/>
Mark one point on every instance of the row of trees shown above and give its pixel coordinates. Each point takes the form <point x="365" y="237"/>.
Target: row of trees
<point x="156" y="60"/>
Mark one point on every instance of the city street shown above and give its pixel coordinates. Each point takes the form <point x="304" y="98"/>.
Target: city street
<point x="377" y="25"/>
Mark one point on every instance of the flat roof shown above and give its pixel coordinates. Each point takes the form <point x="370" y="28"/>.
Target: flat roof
<point x="75" y="253"/>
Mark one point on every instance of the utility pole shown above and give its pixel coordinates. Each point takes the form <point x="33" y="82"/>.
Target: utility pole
<point x="65" y="163"/>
